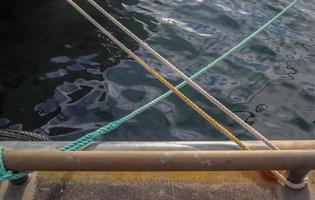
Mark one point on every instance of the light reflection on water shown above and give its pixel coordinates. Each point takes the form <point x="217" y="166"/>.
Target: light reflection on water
<point x="72" y="80"/>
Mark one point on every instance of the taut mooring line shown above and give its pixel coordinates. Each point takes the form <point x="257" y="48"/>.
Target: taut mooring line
<point x="281" y="179"/>
<point x="167" y="84"/>
<point x="188" y="80"/>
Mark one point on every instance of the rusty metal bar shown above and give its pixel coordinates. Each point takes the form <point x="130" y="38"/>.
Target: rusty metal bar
<point x="159" y="160"/>
<point x="159" y="146"/>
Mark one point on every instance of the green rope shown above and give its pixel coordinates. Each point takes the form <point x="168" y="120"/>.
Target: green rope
<point x="85" y="140"/>
<point x="8" y="174"/>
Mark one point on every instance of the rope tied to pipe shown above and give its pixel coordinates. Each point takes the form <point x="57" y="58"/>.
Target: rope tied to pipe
<point x="8" y="174"/>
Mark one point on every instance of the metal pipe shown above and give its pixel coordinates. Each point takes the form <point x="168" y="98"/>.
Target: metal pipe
<point x="159" y="160"/>
<point x="159" y="146"/>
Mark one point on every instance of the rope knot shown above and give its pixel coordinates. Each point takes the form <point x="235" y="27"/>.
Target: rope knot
<point x="4" y="173"/>
<point x="8" y="174"/>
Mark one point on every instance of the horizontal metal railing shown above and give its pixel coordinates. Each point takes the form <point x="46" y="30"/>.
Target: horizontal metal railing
<point x="298" y="157"/>
<point x="159" y="160"/>
<point x="159" y="146"/>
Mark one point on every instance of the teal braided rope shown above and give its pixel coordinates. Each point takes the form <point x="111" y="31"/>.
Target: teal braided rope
<point x="92" y="136"/>
<point x="83" y="141"/>
<point x="8" y="174"/>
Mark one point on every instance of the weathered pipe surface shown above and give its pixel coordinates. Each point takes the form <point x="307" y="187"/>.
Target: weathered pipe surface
<point x="159" y="160"/>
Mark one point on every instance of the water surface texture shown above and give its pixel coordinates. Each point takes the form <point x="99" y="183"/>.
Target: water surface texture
<point x="61" y="77"/>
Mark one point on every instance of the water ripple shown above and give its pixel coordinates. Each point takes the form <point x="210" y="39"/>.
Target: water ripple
<point x="80" y="80"/>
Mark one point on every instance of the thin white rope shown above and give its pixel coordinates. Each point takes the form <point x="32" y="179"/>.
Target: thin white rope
<point x="186" y="78"/>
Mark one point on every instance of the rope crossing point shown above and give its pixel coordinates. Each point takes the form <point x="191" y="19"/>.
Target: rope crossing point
<point x="167" y="84"/>
<point x="90" y="137"/>
<point x="281" y="179"/>
<point x="186" y="78"/>
<point x="106" y="129"/>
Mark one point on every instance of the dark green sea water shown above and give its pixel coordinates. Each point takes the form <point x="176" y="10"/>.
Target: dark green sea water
<point x="61" y="77"/>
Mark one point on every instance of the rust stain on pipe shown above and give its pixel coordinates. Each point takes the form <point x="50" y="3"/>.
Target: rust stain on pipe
<point x="158" y="160"/>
